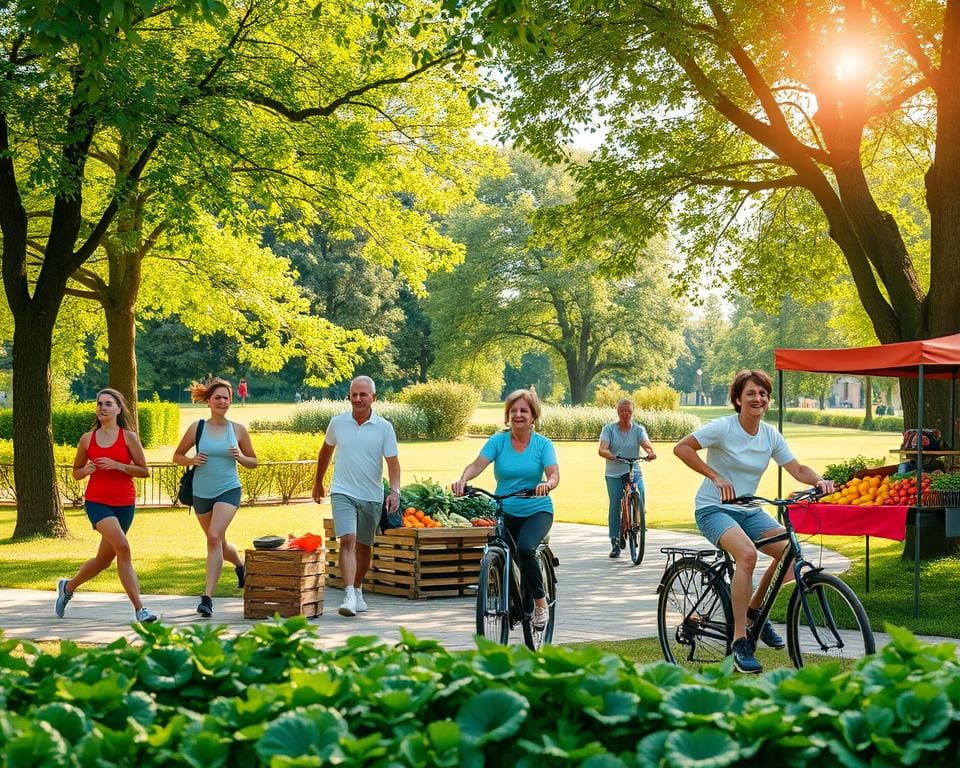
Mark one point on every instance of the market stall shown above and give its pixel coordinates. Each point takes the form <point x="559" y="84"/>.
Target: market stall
<point x="925" y="359"/>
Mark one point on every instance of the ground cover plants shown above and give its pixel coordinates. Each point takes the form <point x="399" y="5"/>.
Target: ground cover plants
<point x="189" y="697"/>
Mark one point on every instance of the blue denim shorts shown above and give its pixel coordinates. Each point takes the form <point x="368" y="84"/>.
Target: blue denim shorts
<point x="96" y="511"/>
<point x="713" y="521"/>
<point x="203" y="506"/>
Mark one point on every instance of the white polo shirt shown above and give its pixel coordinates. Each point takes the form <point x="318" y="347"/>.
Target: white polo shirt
<point x="361" y="449"/>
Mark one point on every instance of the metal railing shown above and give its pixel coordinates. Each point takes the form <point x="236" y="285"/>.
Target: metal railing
<point x="271" y="482"/>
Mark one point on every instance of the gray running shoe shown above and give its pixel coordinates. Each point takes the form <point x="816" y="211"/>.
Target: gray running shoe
<point x="63" y="597"/>
<point x="144" y="616"/>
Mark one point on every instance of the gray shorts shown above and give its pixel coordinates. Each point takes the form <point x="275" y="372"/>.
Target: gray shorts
<point x="353" y="516"/>
<point x="714" y="521"/>
<point x="204" y="506"/>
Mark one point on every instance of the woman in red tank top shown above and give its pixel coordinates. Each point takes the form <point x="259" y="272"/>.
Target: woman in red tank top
<point x="111" y="456"/>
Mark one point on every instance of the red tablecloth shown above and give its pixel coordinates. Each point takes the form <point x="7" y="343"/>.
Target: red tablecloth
<point x="850" y="520"/>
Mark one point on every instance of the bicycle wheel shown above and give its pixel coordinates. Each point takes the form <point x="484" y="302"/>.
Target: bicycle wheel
<point x="493" y="621"/>
<point x="533" y="637"/>
<point x="637" y="534"/>
<point x="694" y="618"/>
<point x="836" y="626"/>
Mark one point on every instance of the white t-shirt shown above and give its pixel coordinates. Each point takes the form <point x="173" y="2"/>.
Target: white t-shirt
<point x="361" y="449"/>
<point x="738" y="456"/>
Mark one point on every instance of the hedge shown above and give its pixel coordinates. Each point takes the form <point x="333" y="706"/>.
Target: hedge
<point x="159" y="423"/>
<point x="187" y="696"/>
<point x="447" y="406"/>
<point x="843" y="420"/>
<point x="584" y="422"/>
<point x="409" y="422"/>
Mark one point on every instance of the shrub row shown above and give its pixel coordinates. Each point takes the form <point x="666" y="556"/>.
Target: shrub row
<point x="659" y="397"/>
<point x="447" y="406"/>
<point x="844" y="420"/>
<point x="584" y="422"/>
<point x="159" y="423"/>
<point x="270" y="480"/>
<point x="271" y="697"/>
<point x="409" y="422"/>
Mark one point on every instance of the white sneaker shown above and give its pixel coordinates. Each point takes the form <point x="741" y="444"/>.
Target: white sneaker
<point x="541" y="615"/>
<point x="144" y="616"/>
<point x="349" y="605"/>
<point x="361" y="603"/>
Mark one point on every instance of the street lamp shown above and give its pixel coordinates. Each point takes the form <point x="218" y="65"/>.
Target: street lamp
<point x="699" y="386"/>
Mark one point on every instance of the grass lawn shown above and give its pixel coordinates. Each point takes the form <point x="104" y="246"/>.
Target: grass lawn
<point x="169" y="549"/>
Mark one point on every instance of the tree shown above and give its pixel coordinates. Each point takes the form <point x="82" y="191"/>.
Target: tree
<point x="747" y="126"/>
<point x="215" y="105"/>
<point x="520" y="289"/>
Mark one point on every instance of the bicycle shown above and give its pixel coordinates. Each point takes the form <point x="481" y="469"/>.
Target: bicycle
<point x="695" y="619"/>
<point x="501" y="603"/>
<point x="633" y="513"/>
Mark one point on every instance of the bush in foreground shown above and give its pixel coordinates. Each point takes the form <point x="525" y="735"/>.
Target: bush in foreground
<point x="187" y="697"/>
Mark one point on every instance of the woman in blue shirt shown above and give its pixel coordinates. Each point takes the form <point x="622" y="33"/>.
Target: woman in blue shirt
<point x="522" y="459"/>
<point x="216" y="484"/>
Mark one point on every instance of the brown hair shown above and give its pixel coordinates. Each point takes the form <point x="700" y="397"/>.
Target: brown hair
<point x="530" y="395"/>
<point x="758" y="377"/>
<point x="123" y="417"/>
<point x="202" y="391"/>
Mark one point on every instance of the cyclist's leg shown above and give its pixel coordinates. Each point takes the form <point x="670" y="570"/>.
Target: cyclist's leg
<point x="735" y="541"/>
<point x="528" y="532"/>
<point x="614" y="495"/>
<point x="758" y="524"/>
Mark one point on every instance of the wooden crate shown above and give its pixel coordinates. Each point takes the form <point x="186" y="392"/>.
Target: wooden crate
<point x="284" y="581"/>
<point x="417" y="563"/>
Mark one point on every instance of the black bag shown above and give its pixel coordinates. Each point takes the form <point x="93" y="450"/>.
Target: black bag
<point x="270" y="541"/>
<point x="185" y="494"/>
<point x="390" y="520"/>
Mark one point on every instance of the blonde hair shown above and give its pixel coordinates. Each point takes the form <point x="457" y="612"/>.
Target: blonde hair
<point x="202" y="391"/>
<point x="530" y="395"/>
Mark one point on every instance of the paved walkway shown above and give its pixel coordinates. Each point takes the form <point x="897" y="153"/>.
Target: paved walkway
<point x="599" y="599"/>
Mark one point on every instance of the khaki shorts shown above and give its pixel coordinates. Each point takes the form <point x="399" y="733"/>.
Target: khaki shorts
<point x="353" y="516"/>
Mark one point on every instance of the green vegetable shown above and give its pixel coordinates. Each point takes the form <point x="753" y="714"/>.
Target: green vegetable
<point x="843" y="471"/>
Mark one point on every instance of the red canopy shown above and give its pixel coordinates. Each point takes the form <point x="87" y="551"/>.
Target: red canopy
<point x="940" y="359"/>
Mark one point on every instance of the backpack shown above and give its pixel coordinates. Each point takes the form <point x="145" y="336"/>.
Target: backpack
<point x="931" y="440"/>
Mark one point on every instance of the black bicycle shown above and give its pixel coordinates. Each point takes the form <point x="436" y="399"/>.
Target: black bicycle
<point x="695" y="619"/>
<point x="633" y="513"/>
<point x="501" y="603"/>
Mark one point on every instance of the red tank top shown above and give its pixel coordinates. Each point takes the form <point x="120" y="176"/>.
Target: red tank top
<point x="110" y="486"/>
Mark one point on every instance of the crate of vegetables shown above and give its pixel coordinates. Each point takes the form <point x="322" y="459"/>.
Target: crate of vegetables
<point x="418" y="562"/>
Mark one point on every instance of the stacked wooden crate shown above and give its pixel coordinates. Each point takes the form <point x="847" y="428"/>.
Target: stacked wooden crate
<point x="284" y="581"/>
<point x="417" y="563"/>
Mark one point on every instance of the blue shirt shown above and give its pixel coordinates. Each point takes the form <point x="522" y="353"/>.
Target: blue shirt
<point x="516" y="471"/>
<point x="219" y="473"/>
<point x="623" y="445"/>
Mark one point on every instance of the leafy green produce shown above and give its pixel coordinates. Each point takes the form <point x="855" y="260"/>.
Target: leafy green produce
<point x="844" y="470"/>
<point x="188" y="696"/>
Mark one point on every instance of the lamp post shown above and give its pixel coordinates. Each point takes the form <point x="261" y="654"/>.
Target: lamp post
<point x="699" y="386"/>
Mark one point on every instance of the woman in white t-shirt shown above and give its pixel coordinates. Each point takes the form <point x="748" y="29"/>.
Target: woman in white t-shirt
<point x="739" y="449"/>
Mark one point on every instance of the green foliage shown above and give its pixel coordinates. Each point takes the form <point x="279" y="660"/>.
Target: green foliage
<point x="447" y="406"/>
<point x="659" y="397"/>
<point x="409" y="422"/>
<point x="948" y="481"/>
<point x="293" y="480"/>
<point x="608" y="394"/>
<point x="844" y="470"/>
<point x="843" y="420"/>
<point x="584" y="422"/>
<point x="159" y="423"/>
<point x="272" y="696"/>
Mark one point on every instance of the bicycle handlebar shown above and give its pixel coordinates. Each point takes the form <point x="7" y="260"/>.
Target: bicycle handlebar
<point x="472" y="490"/>
<point x="809" y="494"/>
<point x="628" y="460"/>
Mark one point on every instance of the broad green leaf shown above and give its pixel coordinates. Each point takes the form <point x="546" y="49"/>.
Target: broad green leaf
<point x="69" y="721"/>
<point x="167" y="668"/>
<point x="696" y="704"/>
<point x="618" y="707"/>
<point x="702" y="748"/>
<point x="205" y="750"/>
<point x="492" y="715"/>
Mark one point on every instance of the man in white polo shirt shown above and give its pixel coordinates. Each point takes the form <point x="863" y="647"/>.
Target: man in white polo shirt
<point x="364" y="440"/>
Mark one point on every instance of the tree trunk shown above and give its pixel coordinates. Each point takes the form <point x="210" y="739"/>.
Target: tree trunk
<point x="867" y="402"/>
<point x="122" y="350"/>
<point x="39" y="511"/>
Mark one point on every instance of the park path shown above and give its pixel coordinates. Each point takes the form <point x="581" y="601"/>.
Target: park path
<point x="599" y="599"/>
